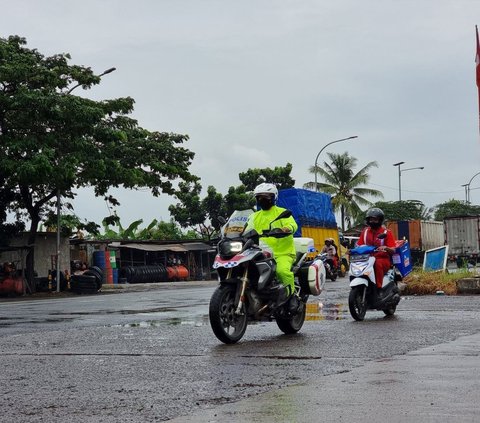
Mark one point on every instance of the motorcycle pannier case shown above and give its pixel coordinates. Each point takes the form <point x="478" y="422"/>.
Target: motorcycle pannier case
<point x="312" y="277"/>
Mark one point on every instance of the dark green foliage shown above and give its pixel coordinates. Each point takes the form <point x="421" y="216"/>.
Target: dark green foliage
<point x="453" y="208"/>
<point x="280" y="176"/>
<point x="53" y="141"/>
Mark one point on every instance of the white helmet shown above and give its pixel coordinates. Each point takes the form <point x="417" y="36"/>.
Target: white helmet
<point x="265" y="188"/>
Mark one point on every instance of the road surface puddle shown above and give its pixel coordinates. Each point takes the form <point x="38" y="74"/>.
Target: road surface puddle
<point x="328" y="311"/>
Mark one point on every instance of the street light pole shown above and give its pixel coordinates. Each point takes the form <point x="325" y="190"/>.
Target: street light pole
<point x="399" y="180"/>
<point x="59" y="202"/>
<point x="468" y="187"/>
<point x="323" y="148"/>
<point x="400" y="177"/>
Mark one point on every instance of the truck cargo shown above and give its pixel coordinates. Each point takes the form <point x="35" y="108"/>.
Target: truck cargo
<point x="422" y="235"/>
<point x="462" y="235"/>
<point x="313" y="213"/>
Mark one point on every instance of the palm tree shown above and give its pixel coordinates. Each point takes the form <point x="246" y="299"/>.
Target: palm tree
<point x="344" y="185"/>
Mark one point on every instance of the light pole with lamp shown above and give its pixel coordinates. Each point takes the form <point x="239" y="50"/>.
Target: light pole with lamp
<point x="467" y="187"/>
<point x="323" y="148"/>
<point x="400" y="177"/>
<point x="59" y="203"/>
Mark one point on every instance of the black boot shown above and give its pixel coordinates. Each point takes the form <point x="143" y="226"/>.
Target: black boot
<point x="283" y="295"/>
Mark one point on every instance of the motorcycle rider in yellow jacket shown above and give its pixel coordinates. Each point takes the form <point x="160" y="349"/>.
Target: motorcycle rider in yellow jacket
<point x="283" y="248"/>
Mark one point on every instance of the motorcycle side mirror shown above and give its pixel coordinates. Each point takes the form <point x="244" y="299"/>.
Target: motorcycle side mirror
<point x="383" y="235"/>
<point x="284" y="215"/>
<point x="221" y="220"/>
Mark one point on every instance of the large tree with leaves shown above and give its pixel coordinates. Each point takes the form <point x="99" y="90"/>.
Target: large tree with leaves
<point x="400" y="210"/>
<point x="53" y="141"/>
<point x="345" y="185"/>
<point x="453" y="208"/>
<point x="279" y="175"/>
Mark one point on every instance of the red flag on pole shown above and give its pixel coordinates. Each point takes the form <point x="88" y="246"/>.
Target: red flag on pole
<point x="477" y="62"/>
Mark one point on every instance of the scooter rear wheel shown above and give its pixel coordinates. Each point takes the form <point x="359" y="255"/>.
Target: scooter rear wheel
<point x="356" y="302"/>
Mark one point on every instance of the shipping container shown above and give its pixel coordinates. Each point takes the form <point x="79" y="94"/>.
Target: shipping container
<point x="421" y="234"/>
<point x="462" y="235"/>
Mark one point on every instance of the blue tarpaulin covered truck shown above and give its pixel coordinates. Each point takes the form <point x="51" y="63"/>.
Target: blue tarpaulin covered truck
<point x="313" y="213"/>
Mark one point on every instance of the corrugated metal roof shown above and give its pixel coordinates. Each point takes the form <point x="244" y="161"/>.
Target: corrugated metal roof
<point x="180" y="248"/>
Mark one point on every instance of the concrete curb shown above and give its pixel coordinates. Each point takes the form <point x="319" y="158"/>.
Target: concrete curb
<point x="468" y="286"/>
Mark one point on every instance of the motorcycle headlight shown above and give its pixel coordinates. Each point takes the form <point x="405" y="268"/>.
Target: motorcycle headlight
<point x="230" y="248"/>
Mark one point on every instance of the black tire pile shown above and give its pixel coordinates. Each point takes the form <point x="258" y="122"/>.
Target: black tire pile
<point x="144" y="274"/>
<point x="89" y="282"/>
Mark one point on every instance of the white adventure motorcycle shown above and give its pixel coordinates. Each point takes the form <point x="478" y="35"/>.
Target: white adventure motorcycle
<point x="249" y="290"/>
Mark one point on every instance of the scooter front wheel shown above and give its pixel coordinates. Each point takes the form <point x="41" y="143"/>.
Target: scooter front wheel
<point x="357" y="302"/>
<point x="228" y="326"/>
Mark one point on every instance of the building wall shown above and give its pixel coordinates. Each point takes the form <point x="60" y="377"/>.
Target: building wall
<point x="45" y="248"/>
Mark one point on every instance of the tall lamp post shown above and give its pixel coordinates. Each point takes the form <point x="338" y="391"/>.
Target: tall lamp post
<point x="467" y="188"/>
<point x="400" y="177"/>
<point x="323" y="148"/>
<point x="59" y="196"/>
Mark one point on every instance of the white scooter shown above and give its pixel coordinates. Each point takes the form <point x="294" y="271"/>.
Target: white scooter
<point x="364" y="293"/>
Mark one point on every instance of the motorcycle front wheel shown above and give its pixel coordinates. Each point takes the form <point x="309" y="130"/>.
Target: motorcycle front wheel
<point x="294" y="323"/>
<point x="356" y="302"/>
<point x="228" y="326"/>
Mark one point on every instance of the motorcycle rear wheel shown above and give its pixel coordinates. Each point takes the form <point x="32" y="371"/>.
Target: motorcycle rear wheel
<point x="356" y="303"/>
<point x="294" y="323"/>
<point x="227" y="326"/>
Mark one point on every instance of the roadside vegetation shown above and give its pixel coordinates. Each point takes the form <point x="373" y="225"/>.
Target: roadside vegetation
<point x="420" y="282"/>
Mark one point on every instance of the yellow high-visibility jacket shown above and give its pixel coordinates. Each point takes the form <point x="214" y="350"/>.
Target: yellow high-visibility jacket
<point x="261" y="220"/>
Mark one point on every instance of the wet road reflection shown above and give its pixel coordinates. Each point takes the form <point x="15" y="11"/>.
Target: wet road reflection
<point x="328" y="311"/>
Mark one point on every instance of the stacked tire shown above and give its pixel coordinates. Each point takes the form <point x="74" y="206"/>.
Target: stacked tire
<point x="144" y="274"/>
<point x="89" y="282"/>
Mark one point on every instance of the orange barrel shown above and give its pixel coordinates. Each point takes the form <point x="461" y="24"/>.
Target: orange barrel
<point x="11" y="286"/>
<point x="172" y="273"/>
<point x="109" y="272"/>
<point x="107" y="260"/>
<point x="182" y="273"/>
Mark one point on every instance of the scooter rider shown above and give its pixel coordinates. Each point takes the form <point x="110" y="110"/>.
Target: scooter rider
<point x="283" y="249"/>
<point x="331" y="252"/>
<point x="384" y="247"/>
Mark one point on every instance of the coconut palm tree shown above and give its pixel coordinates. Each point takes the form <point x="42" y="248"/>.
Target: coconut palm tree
<point x="344" y="185"/>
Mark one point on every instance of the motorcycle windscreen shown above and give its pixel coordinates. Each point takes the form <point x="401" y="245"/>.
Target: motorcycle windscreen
<point x="236" y="223"/>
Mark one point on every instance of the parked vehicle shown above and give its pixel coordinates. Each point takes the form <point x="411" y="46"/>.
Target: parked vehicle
<point x="462" y="235"/>
<point x="364" y="294"/>
<point x="249" y="290"/>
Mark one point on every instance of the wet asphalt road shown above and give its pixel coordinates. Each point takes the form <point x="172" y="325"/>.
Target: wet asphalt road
<point x="151" y="356"/>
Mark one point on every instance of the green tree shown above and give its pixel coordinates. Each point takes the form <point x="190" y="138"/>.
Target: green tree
<point x="345" y="185"/>
<point x="455" y="208"/>
<point x="52" y="141"/>
<point x="280" y="176"/>
<point x="399" y="210"/>
<point x="190" y="211"/>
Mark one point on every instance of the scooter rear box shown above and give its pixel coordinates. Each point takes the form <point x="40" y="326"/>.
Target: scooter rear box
<point x="402" y="258"/>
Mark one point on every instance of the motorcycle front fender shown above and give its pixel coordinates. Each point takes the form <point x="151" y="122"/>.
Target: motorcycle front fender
<point x="358" y="281"/>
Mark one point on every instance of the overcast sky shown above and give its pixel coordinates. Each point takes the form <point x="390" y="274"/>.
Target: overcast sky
<point x="260" y="83"/>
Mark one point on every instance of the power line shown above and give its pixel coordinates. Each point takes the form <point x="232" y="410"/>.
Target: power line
<point x="422" y="192"/>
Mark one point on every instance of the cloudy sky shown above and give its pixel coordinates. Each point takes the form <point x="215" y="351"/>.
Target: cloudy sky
<point x="260" y="83"/>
